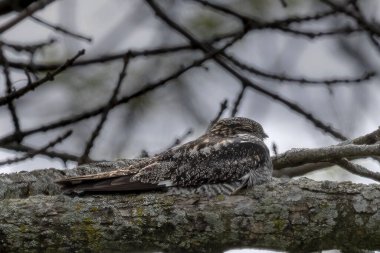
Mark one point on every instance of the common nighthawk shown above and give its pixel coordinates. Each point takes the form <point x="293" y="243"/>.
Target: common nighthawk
<point x="229" y="156"/>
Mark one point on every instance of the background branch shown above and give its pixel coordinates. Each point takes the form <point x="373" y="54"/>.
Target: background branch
<point x="31" y="154"/>
<point x="45" y="79"/>
<point x="244" y="80"/>
<point x="28" y="11"/>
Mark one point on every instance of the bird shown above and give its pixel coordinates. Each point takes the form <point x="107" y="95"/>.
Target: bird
<point x="230" y="156"/>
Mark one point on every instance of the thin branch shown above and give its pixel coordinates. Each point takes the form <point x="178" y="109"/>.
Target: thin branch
<point x="245" y="81"/>
<point x="65" y="157"/>
<point x="24" y="14"/>
<point x="284" y="3"/>
<point x="374" y="42"/>
<point x="7" y="6"/>
<point x="61" y="29"/>
<point x="347" y="30"/>
<point x="274" y="148"/>
<point x="282" y="24"/>
<point x="118" y="56"/>
<point x="106" y="110"/>
<point x="11" y="106"/>
<point x="370" y="138"/>
<point x="296" y="108"/>
<point x="258" y="24"/>
<point x="359" y="19"/>
<point x="223" y="107"/>
<point x="371" y="36"/>
<point x="148" y="88"/>
<point x="304" y="81"/>
<point x="30" y="48"/>
<point x="38" y="151"/>
<point x="238" y="101"/>
<point x="32" y="86"/>
<point x="358" y="169"/>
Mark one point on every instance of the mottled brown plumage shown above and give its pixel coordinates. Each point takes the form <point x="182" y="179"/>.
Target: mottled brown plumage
<point x="229" y="156"/>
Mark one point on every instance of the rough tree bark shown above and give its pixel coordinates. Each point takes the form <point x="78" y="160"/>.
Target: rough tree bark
<point x="295" y="215"/>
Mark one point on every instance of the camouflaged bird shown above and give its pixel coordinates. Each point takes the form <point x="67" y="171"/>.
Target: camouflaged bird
<point x="231" y="155"/>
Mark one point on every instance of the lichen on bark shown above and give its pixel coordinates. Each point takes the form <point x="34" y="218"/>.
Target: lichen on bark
<point x="293" y="215"/>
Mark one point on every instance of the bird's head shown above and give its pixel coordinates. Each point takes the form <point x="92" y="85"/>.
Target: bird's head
<point x="229" y="127"/>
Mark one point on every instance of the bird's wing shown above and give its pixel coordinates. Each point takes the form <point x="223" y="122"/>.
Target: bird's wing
<point x="209" y="161"/>
<point x="112" y="181"/>
<point x="126" y="171"/>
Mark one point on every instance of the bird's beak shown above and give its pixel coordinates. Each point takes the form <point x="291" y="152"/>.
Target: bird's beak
<point x="265" y="135"/>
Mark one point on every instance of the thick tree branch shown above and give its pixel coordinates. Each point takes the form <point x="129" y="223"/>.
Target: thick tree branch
<point x="295" y="157"/>
<point x="293" y="171"/>
<point x="29" y="155"/>
<point x="297" y="215"/>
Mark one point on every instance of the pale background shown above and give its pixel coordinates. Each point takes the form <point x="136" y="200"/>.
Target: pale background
<point x="118" y="25"/>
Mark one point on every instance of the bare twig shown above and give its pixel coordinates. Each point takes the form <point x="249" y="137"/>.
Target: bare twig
<point x="118" y="56"/>
<point x="244" y="80"/>
<point x="38" y="151"/>
<point x="275" y="149"/>
<point x="223" y="107"/>
<point x="258" y="24"/>
<point x="65" y="157"/>
<point x="7" y="6"/>
<point x="32" y="86"/>
<point x="24" y="14"/>
<point x="299" y="160"/>
<point x="371" y="36"/>
<point x="238" y="101"/>
<point x="30" y="48"/>
<point x="346" y="30"/>
<point x="61" y="29"/>
<point x="11" y="106"/>
<point x="374" y="41"/>
<point x="148" y="87"/>
<point x="357" y="169"/>
<point x="284" y="3"/>
<point x="180" y="139"/>
<point x="277" y="25"/>
<point x="106" y="110"/>
<point x="296" y="108"/>
<point x="283" y="24"/>
<point x="304" y="81"/>
<point x="373" y="29"/>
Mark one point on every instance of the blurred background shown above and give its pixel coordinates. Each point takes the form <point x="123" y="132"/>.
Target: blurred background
<point x="152" y="122"/>
<point x="322" y="50"/>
